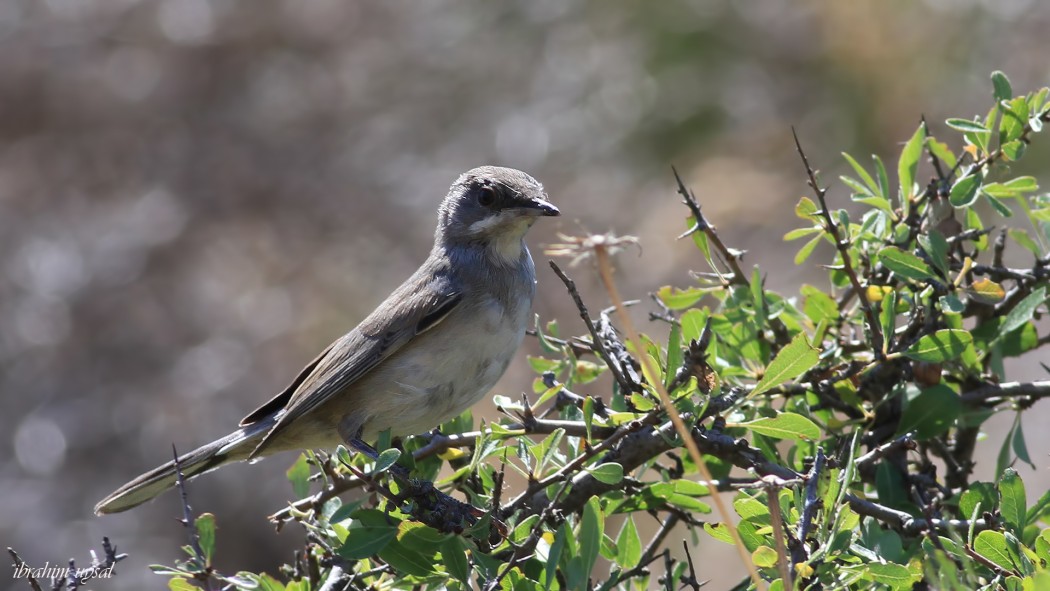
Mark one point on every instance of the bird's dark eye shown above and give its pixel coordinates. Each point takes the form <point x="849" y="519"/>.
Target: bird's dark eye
<point x="486" y="196"/>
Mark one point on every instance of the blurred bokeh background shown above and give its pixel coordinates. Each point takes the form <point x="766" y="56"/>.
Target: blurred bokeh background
<point x="196" y="197"/>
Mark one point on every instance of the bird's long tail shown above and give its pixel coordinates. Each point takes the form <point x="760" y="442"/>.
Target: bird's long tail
<point x="234" y="447"/>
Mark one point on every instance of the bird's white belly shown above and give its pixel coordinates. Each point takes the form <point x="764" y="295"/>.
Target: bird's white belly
<point x="451" y="367"/>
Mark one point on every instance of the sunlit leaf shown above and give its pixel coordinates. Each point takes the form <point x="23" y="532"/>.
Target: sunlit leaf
<point x="792" y="361"/>
<point x="964" y="191"/>
<point x="965" y="125"/>
<point x="943" y="345"/>
<point x="909" y="163"/>
<point x="986" y="291"/>
<point x="905" y="264"/>
<point x="299" y="475"/>
<point x="1012" y="501"/>
<point x="1001" y="86"/>
<point x="679" y="299"/>
<point x="785" y="426"/>
<point x="608" y="473"/>
<point x="1024" y="310"/>
<point x="205" y="526"/>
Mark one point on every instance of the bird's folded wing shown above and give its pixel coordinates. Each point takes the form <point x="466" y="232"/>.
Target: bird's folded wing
<point x="404" y="316"/>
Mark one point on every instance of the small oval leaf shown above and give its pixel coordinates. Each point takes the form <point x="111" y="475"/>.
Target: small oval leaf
<point x="786" y="425"/>
<point x="608" y="473"/>
<point x="905" y="264"/>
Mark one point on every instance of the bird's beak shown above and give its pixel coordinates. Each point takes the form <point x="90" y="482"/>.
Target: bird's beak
<point x="541" y="207"/>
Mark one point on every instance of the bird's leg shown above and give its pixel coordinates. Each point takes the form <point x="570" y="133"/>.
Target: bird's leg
<point x="360" y="446"/>
<point x="432" y="506"/>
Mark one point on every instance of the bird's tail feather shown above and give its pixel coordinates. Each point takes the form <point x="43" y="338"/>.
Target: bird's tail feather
<point x="234" y="447"/>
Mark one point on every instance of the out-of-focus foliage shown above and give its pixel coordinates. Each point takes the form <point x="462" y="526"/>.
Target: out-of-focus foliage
<point x="842" y="422"/>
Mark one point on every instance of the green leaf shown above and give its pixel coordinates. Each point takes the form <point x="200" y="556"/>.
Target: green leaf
<point x="806" y="208"/>
<point x="1014" y="119"/>
<point x="905" y="264"/>
<point x="1013" y="150"/>
<point x="883" y="178"/>
<point x="764" y="557"/>
<point x="554" y="556"/>
<point x="263" y="581"/>
<point x="792" y="361"/>
<point x="1022" y="184"/>
<point x="888" y="318"/>
<point x="981" y="493"/>
<point x="943" y="345"/>
<point x="802" y="233"/>
<point x="936" y="248"/>
<point x="406" y="560"/>
<point x="786" y="425"/>
<point x="964" y="191"/>
<point x="1001" y="86"/>
<point x="859" y="189"/>
<point x="818" y="306"/>
<point x="1018" y="443"/>
<point x="909" y="163"/>
<point x="807" y="249"/>
<point x="966" y="125"/>
<point x="628" y="545"/>
<point x="674" y="353"/>
<point x="369" y="533"/>
<point x="986" y="291"/>
<point x="931" y="413"/>
<point x="1013" y="188"/>
<point x="951" y="304"/>
<point x="1012" y="501"/>
<point x="893" y="575"/>
<point x="1000" y="207"/>
<point x="181" y="584"/>
<point x="876" y="202"/>
<point x="386" y="459"/>
<point x="693" y="322"/>
<point x="588" y="414"/>
<point x="299" y="476"/>
<point x="205" y="525"/>
<point x="992" y="545"/>
<point x="1039" y="510"/>
<point x="1023" y="311"/>
<point x="678" y="299"/>
<point x="590" y="534"/>
<point x="941" y="151"/>
<point x="864" y="176"/>
<point x="608" y="473"/>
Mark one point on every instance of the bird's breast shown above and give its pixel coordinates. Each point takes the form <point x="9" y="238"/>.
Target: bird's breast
<point x="450" y="367"/>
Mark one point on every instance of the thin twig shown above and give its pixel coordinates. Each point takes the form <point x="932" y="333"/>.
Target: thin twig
<point x="908" y="524"/>
<point x="33" y="583"/>
<point x="691" y="580"/>
<point x="906" y="441"/>
<point x="199" y="559"/>
<point x="701" y="224"/>
<point x="843" y="248"/>
<point x="998" y="392"/>
<point x="810" y="506"/>
<point x="599" y="344"/>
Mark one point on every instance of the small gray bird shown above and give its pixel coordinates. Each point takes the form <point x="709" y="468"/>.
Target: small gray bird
<point x="432" y="349"/>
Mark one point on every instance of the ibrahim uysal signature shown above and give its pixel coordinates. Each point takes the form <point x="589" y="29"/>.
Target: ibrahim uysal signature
<point x="48" y="571"/>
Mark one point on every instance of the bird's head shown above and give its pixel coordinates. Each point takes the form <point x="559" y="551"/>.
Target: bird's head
<point x="493" y="207"/>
